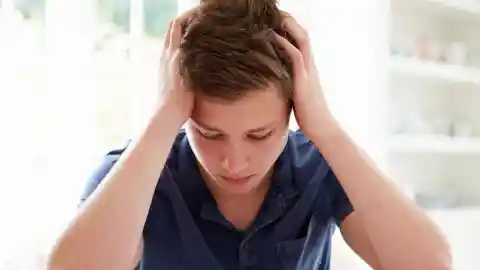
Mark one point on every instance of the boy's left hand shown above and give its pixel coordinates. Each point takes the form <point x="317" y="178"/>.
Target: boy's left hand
<point x="309" y="103"/>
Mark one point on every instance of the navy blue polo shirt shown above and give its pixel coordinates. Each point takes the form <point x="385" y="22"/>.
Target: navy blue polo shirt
<point x="185" y="230"/>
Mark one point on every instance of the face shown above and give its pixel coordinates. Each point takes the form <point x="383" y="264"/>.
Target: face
<point x="237" y="143"/>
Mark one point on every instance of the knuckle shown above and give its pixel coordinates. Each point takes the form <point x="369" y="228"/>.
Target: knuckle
<point x="304" y="37"/>
<point x="178" y="25"/>
<point x="171" y="23"/>
<point x="177" y="22"/>
<point x="304" y="42"/>
<point x="297" y="56"/>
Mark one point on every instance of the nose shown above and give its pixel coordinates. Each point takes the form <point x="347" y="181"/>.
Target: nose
<point x="235" y="161"/>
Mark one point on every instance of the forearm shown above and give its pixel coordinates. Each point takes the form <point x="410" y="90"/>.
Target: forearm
<point x="402" y="235"/>
<point x="106" y="231"/>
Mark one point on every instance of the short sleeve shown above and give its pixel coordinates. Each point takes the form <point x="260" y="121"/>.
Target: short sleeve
<point x="340" y="203"/>
<point x="100" y="172"/>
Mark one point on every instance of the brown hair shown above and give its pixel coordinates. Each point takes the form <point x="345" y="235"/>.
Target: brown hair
<point x="228" y="49"/>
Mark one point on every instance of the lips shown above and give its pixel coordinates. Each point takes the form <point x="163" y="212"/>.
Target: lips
<point x="237" y="179"/>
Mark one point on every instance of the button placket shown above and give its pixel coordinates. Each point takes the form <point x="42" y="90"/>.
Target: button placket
<point x="246" y="255"/>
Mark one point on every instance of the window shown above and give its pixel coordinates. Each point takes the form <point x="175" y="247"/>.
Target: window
<point x="75" y="77"/>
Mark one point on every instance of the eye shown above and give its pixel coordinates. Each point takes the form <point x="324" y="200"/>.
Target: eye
<point x="209" y="136"/>
<point x="261" y="137"/>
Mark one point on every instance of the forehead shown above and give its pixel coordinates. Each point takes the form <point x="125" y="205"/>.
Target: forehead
<point x="255" y="109"/>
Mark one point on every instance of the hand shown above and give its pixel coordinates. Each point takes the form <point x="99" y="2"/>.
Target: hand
<point x="173" y="97"/>
<point x="309" y="103"/>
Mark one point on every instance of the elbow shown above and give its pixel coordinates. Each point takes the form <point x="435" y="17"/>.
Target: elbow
<point x="430" y="257"/>
<point x="56" y="263"/>
<point x="441" y="257"/>
<point x="53" y="262"/>
<point x="57" y="260"/>
<point x="445" y="257"/>
<point x="53" y="265"/>
<point x="442" y="260"/>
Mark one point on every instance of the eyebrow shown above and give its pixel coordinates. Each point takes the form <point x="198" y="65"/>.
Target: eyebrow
<point x="214" y="129"/>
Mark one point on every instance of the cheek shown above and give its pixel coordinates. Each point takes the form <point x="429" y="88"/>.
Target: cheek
<point x="265" y="153"/>
<point x="206" y="151"/>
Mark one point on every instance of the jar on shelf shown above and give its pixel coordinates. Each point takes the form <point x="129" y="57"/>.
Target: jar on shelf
<point x="430" y="48"/>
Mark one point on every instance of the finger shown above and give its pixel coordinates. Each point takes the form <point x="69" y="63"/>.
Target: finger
<point x="299" y="34"/>
<point x="295" y="54"/>
<point x="175" y="35"/>
<point x="166" y="38"/>
<point x="177" y="29"/>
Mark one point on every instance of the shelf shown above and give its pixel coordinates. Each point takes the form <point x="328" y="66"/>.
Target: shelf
<point x="457" y="8"/>
<point x="434" y="70"/>
<point x="433" y="144"/>
<point x="469" y="6"/>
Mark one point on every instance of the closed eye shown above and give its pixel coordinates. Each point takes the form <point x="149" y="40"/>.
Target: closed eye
<point x="260" y="137"/>
<point x="212" y="136"/>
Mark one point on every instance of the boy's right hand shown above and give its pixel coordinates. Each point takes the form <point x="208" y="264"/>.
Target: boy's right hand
<point x="173" y="97"/>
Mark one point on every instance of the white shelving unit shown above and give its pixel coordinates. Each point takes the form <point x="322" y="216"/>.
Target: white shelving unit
<point x="433" y="144"/>
<point x="448" y="8"/>
<point x="433" y="97"/>
<point x="439" y="71"/>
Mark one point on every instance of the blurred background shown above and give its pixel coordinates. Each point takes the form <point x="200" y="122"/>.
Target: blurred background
<point x="78" y="76"/>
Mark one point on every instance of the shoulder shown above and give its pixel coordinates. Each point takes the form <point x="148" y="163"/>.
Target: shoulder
<point x="112" y="156"/>
<point x="302" y="150"/>
<point x="100" y="171"/>
<point x="309" y="167"/>
<point x="177" y="152"/>
<point x="306" y="160"/>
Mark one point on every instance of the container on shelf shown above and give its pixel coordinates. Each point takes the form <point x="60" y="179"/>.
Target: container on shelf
<point x="430" y="48"/>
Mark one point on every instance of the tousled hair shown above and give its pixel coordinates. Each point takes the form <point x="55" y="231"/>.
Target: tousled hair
<point x="228" y="49"/>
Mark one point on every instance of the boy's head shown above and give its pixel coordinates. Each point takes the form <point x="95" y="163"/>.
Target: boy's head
<point x="228" y="50"/>
<point x="242" y="82"/>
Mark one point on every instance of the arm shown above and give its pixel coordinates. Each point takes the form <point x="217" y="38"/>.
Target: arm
<point x="399" y="234"/>
<point x="386" y="229"/>
<point x="107" y="230"/>
<point x="356" y="237"/>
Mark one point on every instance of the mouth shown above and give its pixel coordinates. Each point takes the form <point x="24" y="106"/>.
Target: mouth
<point x="237" y="180"/>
